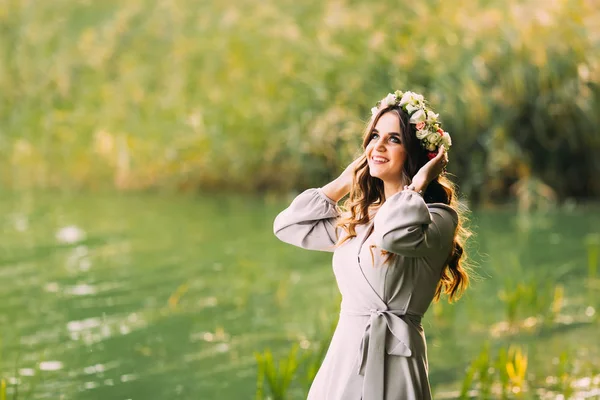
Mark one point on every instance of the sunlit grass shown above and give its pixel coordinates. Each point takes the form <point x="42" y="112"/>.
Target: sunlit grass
<point x="295" y="370"/>
<point x="503" y="376"/>
<point x="593" y="253"/>
<point x="249" y="95"/>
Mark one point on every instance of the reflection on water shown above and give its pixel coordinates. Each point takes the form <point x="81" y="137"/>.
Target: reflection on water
<point x="70" y="234"/>
<point x="150" y="297"/>
<point x="50" y="365"/>
<point x="94" y="330"/>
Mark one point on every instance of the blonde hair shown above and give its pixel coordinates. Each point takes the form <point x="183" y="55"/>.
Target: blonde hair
<point x="368" y="191"/>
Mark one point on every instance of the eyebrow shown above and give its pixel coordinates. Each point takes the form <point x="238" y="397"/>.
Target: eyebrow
<point x="391" y="133"/>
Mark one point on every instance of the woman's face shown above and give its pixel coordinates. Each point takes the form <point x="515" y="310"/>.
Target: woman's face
<point x="385" y="151"/>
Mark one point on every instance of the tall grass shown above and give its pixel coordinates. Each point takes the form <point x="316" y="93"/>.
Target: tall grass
<point x="16" y="381"/>
<point x="500" y="374"/>
<point x="250" y="95"/>
<point x="592" y="242"/>
<point x="278" y="375"/>
<point x="275" y="378"/>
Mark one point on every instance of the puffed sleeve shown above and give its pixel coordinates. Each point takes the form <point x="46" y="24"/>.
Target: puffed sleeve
<point x="406" y="225"/>
<point x="309" y="221"/>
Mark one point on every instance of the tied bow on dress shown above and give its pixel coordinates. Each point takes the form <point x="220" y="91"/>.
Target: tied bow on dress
<point x="367" y="383"/>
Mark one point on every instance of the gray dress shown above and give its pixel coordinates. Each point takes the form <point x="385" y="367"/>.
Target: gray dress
<point x="378" y="350"/>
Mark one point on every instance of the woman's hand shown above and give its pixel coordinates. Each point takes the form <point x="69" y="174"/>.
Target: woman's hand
<point x="347" y="175"/>
<point x="340" y="187"/>
<point x="431" y="170"/>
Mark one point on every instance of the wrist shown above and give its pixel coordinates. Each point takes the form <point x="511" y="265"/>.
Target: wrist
<point x="412" y="188"/>
<point x="418" y="185"/>
<point x="336" y="189"/>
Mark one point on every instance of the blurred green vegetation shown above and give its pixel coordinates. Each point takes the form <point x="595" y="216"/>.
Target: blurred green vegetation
<point x="249" y="95"/>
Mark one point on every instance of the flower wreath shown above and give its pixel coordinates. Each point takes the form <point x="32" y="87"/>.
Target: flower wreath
<point x="429" y="131"/>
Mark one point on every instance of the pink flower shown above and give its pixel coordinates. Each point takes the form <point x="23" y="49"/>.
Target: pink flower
<point x="420" y="125"/>
<point x="431" y="155"/>
<point x="440" y="131"/>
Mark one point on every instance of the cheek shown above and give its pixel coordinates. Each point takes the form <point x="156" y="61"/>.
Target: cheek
<point x="399" y="155"/>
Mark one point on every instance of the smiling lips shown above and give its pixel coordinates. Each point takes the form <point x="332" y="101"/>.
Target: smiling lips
<point x="379" y="160"/>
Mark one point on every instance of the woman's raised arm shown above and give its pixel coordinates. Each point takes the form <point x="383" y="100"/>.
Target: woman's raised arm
<point x="406" y="225"/>
<point x="309" y="221"/>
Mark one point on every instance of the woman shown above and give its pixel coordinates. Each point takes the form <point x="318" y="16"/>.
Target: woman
<point x="396" y="249"/>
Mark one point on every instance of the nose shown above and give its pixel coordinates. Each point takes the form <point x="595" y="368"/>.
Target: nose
<point x="379" y="145"/>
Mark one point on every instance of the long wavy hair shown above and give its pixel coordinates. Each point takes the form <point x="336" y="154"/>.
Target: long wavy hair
<point x="368" y="192"/>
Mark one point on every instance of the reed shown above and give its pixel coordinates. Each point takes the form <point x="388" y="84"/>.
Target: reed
<point x="516" y="369"/>
<point x="296" y="366"/>
<point x="277" y="376"/>
<point x="124" y="95"/>
<point x="478" y="374"/>
<point x="592" y="242"/>
<point x="503" y="376"/>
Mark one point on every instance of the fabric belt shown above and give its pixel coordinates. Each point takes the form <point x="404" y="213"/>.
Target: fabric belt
<point x="368" y="379"/>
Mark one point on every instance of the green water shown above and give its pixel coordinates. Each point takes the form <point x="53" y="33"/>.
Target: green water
<point x="162" y="297"/>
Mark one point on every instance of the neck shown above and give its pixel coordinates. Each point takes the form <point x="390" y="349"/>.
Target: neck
<point x="391" y="189"/>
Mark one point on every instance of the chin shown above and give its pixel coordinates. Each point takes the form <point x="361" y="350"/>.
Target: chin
<point x="376" y="174"/>
<point x="373" y="174"/>
<point x="381" y="176"/>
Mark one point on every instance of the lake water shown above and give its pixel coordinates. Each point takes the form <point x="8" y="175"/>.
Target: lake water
<point x="163" y="297"/>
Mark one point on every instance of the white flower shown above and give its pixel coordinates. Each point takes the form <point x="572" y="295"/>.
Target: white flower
<point x="417" y="117"/>
<point x="434" y="138"/>
<point x="374" y="110"/>
<point x="411" y="108"/>
<point x="446" y="140"/>
<point x="432" y="117"/>
<point x="431" y="147"/>
<point x="422" y="134"/>
<point x="407" y="98"/>
<point x="412" y="98"/>
<point x="389" y="100"/>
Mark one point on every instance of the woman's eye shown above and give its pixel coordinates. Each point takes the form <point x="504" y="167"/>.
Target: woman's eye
<point x="393" y="139"/>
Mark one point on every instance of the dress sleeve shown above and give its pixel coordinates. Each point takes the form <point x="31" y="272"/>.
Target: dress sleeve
<point x="408" y="226"/>
<point x="309" y="221"/>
